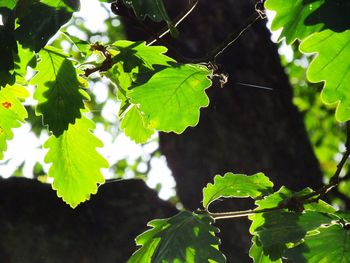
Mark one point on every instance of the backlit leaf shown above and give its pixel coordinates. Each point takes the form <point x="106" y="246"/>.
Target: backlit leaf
<point x="282" y="227"/>
<point x="133" y="126"/>
<point x="185" y="237"/>
<point x="236" y="185"/>
<point x="12" y="113"/>
<point x="59" y="93"/>
<point x="301" y="18"/>
<point x="138" y="54"/>
<point x="291" y="15"/>
<point x="328" y="244"/>
<point x="40" y="20"/>
<point x="259" y="254"/>
<point x="172" y="98"/>
<point x="331" y="65"/>
<point x="272" y="235"/>
<point x="75" y="162"/>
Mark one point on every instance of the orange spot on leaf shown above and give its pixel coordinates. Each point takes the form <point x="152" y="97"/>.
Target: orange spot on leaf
<point x="7" y="104"/>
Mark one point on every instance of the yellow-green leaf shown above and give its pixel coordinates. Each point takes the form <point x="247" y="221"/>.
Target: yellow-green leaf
<point x="12" y="113"/>
<point x="75" y="162"/>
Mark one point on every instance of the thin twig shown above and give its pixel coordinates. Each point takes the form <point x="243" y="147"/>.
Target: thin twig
<point x="231" y="38"/>
<point x="235" y="214"/>
<point x="333" y="181"/>
<point x="178" y="20"/>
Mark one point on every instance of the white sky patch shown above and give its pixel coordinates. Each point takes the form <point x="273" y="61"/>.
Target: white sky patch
<point x="25" y="146"/>
<point x="284" y="50"/>
<point x="94" y="15"/>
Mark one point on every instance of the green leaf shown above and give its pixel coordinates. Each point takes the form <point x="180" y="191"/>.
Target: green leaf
<point x="39" y="21"/>
<point x="258" y="254"/>
<point x="334" y="14"/>
<point x="12" y="113"/>
<point x="281" y="196"/>
<point x="282" y="227"/>
<point x="133" y="126"/>
<point x="172" y="98"/>
<point x="185" y="237"/>
<point x="331" y="65"/>
<point x="274" y="250"/>
<point x="10" y="4"/>
<point x="138" y="55"/>
<point x="75" y="162"/>
<point x="291" y="15"/>
<point x="59" y="93"/>
<point x="8" y="47"/>
<point x="236" y="185"/>
<point x="329" y="244"/>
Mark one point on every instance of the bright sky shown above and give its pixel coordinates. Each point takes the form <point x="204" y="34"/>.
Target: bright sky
<point x="25" y="145"/>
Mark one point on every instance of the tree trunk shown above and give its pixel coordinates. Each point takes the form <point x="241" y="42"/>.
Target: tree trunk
<point x="37" y="227"/>
<point x="245" y="129"/>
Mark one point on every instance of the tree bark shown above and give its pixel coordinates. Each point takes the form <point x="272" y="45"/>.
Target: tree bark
<point x="37" y="227"/>
<point x="245" y="129"/>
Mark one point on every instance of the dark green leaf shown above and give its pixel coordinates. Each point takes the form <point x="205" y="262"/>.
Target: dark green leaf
<point x="8" y="47"/>
<point x="282" y="227"/>
<point x="185" y="237"/>
<point x="138" y="55"/>
<point x="291" y="14"/>
<point x="292" y="221"/>
<point x="59" y="93"/>
<point x="327" y="244"/>
<point x="265" y="255"/>
<point x="39" y="21"/>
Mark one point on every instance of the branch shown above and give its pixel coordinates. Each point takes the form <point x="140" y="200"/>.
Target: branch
<point x="235" y="214"/>
<point x="296" y="203"/>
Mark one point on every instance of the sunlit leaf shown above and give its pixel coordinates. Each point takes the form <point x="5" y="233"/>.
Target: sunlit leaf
<point x="272" y="237"/>
<point x="12" y="113"/>
<point x="185" y="237"/>
<point x="10" y="4"/>
<point x="236" y="185"/>
<point x="59" y="93"/>
<point x="258" y="254"/>
<point x="172" y="98"/>
<point x="133" y="126"/>
<point x="328" y="244"/>
<point x="291" y="15"/>
<point x="138" y="54"/>
<point x="75" y="162"/>
<point x="331" y="65"/>
<point x="281" y="196"/>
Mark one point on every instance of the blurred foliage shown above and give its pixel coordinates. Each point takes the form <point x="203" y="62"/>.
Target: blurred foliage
<point x="327" y="136"/>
